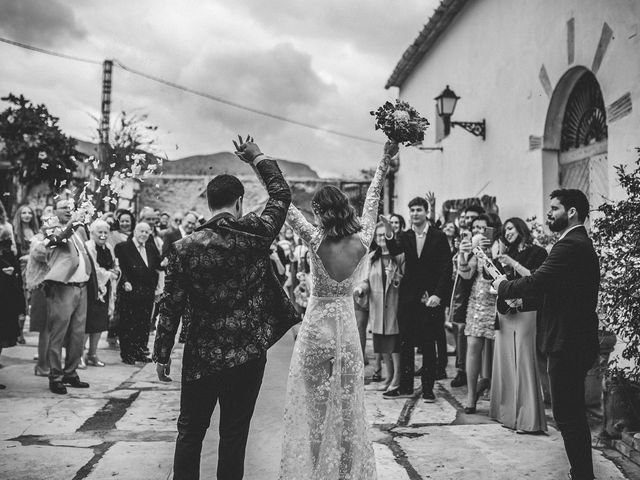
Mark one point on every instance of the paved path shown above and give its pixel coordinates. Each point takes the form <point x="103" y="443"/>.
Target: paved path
<point x="124" y="427"/>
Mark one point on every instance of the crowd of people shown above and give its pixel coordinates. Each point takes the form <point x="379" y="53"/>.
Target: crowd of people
<point x="72" y="280"/>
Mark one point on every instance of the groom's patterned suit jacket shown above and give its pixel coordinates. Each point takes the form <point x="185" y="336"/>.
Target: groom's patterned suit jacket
<point x="223" y="272"/>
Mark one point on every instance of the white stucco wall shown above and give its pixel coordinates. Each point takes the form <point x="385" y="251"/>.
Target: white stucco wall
<point x="491" y="56"/>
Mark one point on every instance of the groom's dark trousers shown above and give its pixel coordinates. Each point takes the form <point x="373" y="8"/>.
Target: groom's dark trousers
<point x="236" y="389"/>
<point x="568" y="282"/>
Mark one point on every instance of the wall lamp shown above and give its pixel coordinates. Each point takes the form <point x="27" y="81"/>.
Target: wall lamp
<point x="446" y="105"/>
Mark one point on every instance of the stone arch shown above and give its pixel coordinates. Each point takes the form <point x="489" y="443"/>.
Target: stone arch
<point x="583" y="165"/>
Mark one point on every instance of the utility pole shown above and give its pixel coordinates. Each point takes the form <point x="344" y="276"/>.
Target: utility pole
<point x="105" y="116"/>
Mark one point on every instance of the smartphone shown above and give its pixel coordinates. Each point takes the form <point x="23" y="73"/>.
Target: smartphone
<point x="489" y="233"/>
<point x="465" y="235"/>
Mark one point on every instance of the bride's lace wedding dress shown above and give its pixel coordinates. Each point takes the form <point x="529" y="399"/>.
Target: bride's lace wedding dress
<point x="326" y="430"/>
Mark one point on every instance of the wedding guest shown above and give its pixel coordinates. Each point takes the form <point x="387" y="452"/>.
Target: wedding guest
<point x="398" y="223"/>
<point x="35" y="273"/>
<point x="47" y="212"/>
<point x="516" y="394"/>
<point x="480" y="310"/>
<point x="460" y="297"/>
<point x="11" y="297"/>
<point x="186" y="227"/>
<point x="122" y="228"/>
<point x="176" y="220"/>
<point x="139" y="263"/>
<point x="424" y="291"/>
<point x="68" y="287"/>
<point x="100" y="308"/>
<point x="6" y="224"/>
<point x="164" y="224"/>
<point x="568" y="281"/>
<point x="452" y="232"/>
<point x="381" y="287"/>
<point x="25" y="226"/>
<point x="151" y="218"/>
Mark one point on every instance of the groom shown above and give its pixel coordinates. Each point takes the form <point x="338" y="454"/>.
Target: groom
<point x="238" y="310"/>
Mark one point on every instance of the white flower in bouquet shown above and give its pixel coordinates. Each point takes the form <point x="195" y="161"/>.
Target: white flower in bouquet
<point x="401" y="116"/>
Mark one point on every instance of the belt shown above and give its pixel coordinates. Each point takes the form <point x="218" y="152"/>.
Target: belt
<point x="68" y="284"/>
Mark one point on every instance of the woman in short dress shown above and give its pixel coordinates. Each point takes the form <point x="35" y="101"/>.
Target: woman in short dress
<point x="481" y="311"/>
<point x="516" y="393"/>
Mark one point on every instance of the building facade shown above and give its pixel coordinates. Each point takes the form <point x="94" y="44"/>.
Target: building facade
<point x="558" y="84"/>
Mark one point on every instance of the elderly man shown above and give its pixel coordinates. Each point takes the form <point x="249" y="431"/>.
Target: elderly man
<point x="139" y="264"/>
<point x="188" y="225"/>
<point x="67" y="286"/>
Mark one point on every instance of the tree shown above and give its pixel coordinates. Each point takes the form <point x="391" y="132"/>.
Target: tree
<point x="129" y="155"/>
<point x="617" y="241"/>
<point x="35" y="145"/>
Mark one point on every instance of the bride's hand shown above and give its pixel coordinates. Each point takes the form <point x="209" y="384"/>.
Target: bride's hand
<point x="246" y="150"/>
<point x="390" y="149"/>
<point x="387" y="225"/>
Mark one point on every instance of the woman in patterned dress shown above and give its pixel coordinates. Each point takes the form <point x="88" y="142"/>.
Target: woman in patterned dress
<point x="481" y="311"/>
<point x="326" y="430"/>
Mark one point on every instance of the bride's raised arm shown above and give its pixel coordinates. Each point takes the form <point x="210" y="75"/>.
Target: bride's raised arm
<point x="370" y="209"/>
<point x="300" y="225"/>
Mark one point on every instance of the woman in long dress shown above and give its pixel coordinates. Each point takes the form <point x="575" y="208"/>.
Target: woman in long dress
<point x="516" y="396"/>
<point x="326" y="430"/>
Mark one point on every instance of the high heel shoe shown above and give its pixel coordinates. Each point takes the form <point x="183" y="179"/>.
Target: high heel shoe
<point x="483" y="385"/>
<point x="94" y="361"/>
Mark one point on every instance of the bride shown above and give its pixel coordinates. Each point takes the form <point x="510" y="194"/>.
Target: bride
<point x="326" y="434"/>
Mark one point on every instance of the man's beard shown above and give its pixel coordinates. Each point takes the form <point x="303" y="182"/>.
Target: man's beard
<point x="558" y="224"/>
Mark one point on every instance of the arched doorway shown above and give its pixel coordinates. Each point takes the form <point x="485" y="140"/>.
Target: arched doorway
<point x="575" y="137"/>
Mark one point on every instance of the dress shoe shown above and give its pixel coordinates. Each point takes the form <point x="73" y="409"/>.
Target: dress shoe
<point x="57" y="387"/>
<point x="470" y="410"/>
<point x="94" y="361"/>
<point x="75" y="382"/>
<point x="460" y="380"/>
<point x="395" y="393"/>
<point x="428" y="396"/>
<point x="144" y="359"/>
<point x="441" y="375"/>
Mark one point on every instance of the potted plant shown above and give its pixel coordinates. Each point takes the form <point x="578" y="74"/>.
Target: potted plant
<point x="616" y="236"/>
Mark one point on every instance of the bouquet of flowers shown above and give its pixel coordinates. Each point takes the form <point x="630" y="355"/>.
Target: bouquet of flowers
<point x="401" y="122"/>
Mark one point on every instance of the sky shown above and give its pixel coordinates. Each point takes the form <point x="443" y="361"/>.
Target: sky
<point x="322" y="62"/>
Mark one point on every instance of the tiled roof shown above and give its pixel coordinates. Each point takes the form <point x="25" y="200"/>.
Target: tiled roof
<point x="437" y="24"/>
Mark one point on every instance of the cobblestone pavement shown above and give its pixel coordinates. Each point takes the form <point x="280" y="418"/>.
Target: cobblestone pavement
<point x="124" y="427"/>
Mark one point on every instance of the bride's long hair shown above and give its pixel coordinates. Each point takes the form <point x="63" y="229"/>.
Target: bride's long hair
<point x="336" y="216"/>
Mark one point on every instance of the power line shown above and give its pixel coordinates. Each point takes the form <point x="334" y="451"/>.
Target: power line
<point x="50" y="52"/>
<point x="193" y="91"/>
<point x="242" y="107"/>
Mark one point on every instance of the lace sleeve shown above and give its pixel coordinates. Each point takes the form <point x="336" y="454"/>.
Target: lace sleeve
<point x="300" y="225"/>
<point x="370" y="209"/>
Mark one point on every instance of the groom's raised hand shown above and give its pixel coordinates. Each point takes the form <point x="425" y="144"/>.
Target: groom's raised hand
<point x="246" y="150"/>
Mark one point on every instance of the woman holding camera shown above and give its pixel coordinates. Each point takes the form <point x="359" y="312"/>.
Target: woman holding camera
<point x="481" y="310"/>
<point x="516" y="396"/>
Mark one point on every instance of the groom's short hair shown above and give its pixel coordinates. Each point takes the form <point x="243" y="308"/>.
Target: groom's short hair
<point x="223" y="190"/>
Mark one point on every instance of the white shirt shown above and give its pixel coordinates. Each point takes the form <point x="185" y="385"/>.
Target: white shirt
<point x="420" y="237"/>
<point x="568" y="230"/>
<point x="80" y="275"/>
<point x="183" y="233"/>
<point x="142" y="250"/>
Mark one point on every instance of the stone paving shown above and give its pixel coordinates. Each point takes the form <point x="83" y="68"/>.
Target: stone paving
<point x="124" y="427"/>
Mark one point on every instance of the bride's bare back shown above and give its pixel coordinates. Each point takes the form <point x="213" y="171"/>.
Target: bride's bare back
<point x="340" y="257"/>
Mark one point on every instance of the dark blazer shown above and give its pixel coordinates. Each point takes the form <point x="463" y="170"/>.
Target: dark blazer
<point x="223" y="272"/>
<point x="142" y="278"/>
<point x="172" y="236"/>
<point x="430" y="272"/>
<point x="568" y="282"/>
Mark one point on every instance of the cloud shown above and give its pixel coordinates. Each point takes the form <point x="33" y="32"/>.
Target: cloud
<point x="44" y="22"/>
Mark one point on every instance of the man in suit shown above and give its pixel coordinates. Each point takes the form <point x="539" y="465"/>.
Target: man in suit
<point x="238" y="310"/>
<point x="67" y="286"/>
<point x="568" y="283"/>
<point x="140" y="264"/>
<point x="188" y="225"/>
<point x="424" y="292"/>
